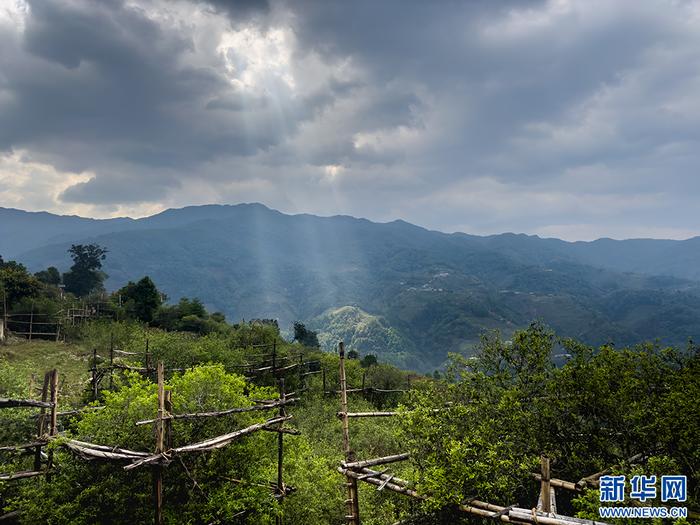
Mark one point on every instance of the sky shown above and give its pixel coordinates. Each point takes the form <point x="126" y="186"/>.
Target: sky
<point x="575" y="119"/>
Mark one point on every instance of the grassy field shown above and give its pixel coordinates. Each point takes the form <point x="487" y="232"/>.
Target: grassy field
<point x="29" y="360"/>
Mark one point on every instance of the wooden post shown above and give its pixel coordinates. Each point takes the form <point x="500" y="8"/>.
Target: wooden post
<point x="274" y="358"/>
<point x="4" y="329"/>
<point x="53" y="428"/>
<point x="353" y="507"/>
<point x="280" y="453"/>
<point x="148" y="359"/>
<point x="168" y="423"/>
<point x="160" y="446"/>
<point x="94" y="374"/>
<point x="111" y="361"/>
<point x="545" y="494"/>
<point x="41" y="422"/>
<point x="364" y="374"/>
<point x="323" y="373"/>
<point x="31" y="322"/>
<point x="301" y="372"/>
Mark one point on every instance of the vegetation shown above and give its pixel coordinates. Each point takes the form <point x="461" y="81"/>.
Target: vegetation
<point x="140" y="300"/>
<point x="479" y="430"/>
<point x="85" y="276"/>
<point x="395" y="290"/>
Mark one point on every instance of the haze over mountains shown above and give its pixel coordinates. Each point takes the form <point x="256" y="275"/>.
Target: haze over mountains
<point x="408" y="294"/>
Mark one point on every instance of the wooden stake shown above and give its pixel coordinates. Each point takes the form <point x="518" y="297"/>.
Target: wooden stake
<point x="301" y="372"/>
<point x="274" y="358"/>
<point x="31" y="322"/>
<point x="111" y="361"/>
<point x="40" y="422"/>
<point x="168" y="421"/>
<point x="160" y="446"/>
<point x="94" y="374"/>
<point x="545" y="494"/>
<point x="53" y="428"/>
<point x="280" y="452"/>
<point x="353" y="507"/>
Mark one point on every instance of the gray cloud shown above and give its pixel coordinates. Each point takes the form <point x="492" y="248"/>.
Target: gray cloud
<point x="577" y="118"/>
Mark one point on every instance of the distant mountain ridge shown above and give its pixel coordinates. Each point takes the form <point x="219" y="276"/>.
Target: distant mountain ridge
<point x="423" y="293"/>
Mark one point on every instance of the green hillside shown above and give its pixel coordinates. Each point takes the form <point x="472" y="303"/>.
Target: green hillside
<point x="365" y="333"/>
<point x="438" y="291"/>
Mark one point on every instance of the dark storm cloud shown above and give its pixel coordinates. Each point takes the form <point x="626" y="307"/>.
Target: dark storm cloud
<point x="99" y="84"/>
<point x="453" y="112"/>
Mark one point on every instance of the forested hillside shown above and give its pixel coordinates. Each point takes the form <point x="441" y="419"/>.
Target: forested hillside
<point x="429" y="292"/>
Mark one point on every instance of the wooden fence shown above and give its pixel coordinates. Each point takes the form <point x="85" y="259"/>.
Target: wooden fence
<point x="355" y="471"/>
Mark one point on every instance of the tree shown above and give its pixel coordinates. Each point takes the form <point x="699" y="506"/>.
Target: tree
<point x="16" y="283"/>
<point x="188" y="315"/>
<point x="85" y="275"/>
<point x="368" y="360"/>
<point x="49" y="276"/>
<point x="305" y="336"/>
<point x="141" y="299"/>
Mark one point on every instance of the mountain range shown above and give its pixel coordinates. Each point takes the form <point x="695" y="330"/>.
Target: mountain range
<point x="405" y="293"/>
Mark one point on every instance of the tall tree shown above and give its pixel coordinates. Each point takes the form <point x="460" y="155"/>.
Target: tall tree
<point x="141" y="299"/>
<point x="85" y="275"/>
<point x="305" y="336"/>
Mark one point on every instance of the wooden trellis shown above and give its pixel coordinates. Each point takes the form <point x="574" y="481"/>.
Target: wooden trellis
<point x="359" y="470"/>
<point x="164" y="452"/>
<point x="45" y="429"/>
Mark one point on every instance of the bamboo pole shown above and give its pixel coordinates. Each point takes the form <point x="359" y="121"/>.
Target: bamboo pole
<point x="104" y="448"/>
<point x="367" y="414"/>
<point x="20" y="475"/>
<point x="237" y="410"/>
<point x="484" y="510"/>
<point x="560" y="483"/>
<point x="382" y="474"/>
<point x="22" y="403"/>
<point x="353" y="506"/>
<point x="22" y="446"/>
<point x="207" y="444"/>
<point x="377" y="461"/>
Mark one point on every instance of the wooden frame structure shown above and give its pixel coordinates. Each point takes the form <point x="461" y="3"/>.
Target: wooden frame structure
<point x="354" y="471"/>
<point x="164" y="452"/>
